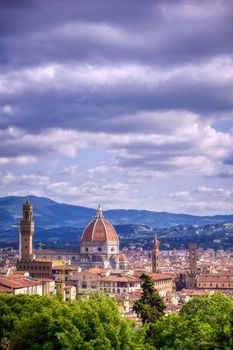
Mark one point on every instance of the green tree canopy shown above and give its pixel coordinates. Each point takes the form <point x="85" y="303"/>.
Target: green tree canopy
<point x="204" y="323"/>
<point x="150" y="307"/>
<point x="32" y="322"/>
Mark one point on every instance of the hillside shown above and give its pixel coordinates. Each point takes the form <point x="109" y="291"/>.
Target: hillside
<point x="57" y="223"/>
<point x="50" y="214"/>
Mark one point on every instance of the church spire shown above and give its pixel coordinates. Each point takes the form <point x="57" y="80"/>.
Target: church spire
<point x="99" y="212"/>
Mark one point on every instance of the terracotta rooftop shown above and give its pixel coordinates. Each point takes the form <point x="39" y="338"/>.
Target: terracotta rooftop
<point x="98" y="271"/>
<point x="123" y="258"/>
<point x="5" y="290"/>
<point x="18" y="282"/>
<point x="99" y="230"/>
<point x="212" y="278"/>
<point x="161" y="276"/>
<point x="120" y="279"/>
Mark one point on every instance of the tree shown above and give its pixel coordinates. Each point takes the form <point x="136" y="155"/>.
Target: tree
<point x="204" y="323"/>
<point x="150" y="307"/>
<point x="48" y="323"/>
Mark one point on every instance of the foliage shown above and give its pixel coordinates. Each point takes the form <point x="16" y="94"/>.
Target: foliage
<point x="94" y="323"/>
<point x="204" y="323"/>
<point x="32" y="322"/>
<point x="150" y="307"/>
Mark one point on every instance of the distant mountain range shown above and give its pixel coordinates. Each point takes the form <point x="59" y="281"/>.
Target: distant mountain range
<point x="64" y="221"/>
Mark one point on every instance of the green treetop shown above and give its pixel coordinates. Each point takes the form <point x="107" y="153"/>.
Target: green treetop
<point x="150" y="307"/>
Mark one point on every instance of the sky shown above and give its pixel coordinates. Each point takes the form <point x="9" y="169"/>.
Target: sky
<point x="124" y="103"/>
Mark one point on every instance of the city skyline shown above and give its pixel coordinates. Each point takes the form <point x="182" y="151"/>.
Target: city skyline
<point x="128" y="105"/>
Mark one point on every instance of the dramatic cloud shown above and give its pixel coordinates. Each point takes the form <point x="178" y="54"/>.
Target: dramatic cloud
<point x="100" y="97"/>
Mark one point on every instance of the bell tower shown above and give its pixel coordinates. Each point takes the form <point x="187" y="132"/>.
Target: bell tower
<point x="26" y="232"/>
<point x="193" y="258"/>
<point x="155" y="255"/>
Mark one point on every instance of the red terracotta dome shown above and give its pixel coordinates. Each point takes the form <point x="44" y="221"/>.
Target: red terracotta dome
<point x="123" y="258"/>
<point x="99" y="230"/>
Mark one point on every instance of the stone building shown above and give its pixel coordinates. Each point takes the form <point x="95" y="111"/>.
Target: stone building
<point x="191" y="279"/>
<point x="37" y="268"/>
<point x="155" y="255"/>
<point x="99" y="246"/>
<point x="215" y="282"/>
<point x="26" y="232"/>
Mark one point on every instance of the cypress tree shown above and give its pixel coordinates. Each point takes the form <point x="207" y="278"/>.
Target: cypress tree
<point x="150" y="307"/>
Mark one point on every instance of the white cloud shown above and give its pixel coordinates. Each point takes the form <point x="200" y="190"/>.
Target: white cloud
<point x="19" y="160"/>
<point x="72" y="77"/>
<point x="204" y="200"/>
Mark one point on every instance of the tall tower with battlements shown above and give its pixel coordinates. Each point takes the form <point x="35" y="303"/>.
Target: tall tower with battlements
<point x="26" y="232"/>
<point x="193" y="258"/>
<point x="155" y="255"/>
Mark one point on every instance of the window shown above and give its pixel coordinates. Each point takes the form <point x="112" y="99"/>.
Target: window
<point x="84" y="284"/>
<point x="93" y="284"/>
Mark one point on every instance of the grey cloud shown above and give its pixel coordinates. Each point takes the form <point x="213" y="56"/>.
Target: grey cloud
<point x="112" y="108"/>
<point x="157" y="32"/>
<point x="160" y="36"/>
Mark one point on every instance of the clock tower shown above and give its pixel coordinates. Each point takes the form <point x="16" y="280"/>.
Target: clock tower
<point x="26" y="233"/>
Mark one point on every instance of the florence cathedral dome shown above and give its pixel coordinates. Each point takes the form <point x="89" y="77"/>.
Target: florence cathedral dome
<point x="99" y="243"/>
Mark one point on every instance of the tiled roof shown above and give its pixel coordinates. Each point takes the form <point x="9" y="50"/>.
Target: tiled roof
<point x="120" y="279"/>
<point x="18" y="282"/>
<point x="4" y="290"/>
<point x="161" y="276"/>
<point x="123" y="257"/>
<point x="97" y="270"/>
<point x="99" y="230"/>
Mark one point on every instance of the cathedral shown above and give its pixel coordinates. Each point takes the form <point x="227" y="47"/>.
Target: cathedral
<point x="99" y="246"/>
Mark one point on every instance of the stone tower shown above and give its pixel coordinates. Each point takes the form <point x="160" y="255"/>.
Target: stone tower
<point x="26" y="233"/>
<point x="191" y="279"/>
<point x="193" y="258"/>
<point x="155" y="255"/>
